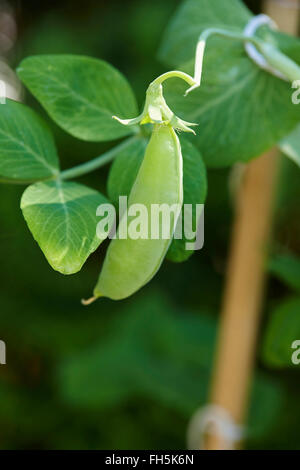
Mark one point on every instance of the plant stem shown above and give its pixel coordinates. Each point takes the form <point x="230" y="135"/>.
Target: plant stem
<point x="275" y="59"/>
<point x="173" y="74"/>
<point x="97" y="162"/>
<point x="280" y="61"/>
<point x="199" y="56"/>
<point x="239" y="36"/>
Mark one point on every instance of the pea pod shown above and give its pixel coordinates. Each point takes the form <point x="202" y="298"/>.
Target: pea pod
<point x="131" y="263"/>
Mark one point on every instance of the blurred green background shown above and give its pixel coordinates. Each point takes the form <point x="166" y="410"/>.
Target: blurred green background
<point x="124" y="375"/>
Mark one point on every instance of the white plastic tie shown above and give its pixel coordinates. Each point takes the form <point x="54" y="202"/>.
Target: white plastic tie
<point x="250" y="30"/>
<point x="213" y="419"/>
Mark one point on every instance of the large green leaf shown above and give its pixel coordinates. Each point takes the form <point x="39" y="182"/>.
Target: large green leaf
<point x="282" y="330"/>
<point x="287" y="269"/>
<point x="125" y="169"/>
<point x="241" y="110"/>
<point x="81" y="94"/>
<point x="290" y="145"/>
<point x="27" y="148"/>
<point x="193" y="17"/>
<point x="62" y="219"/>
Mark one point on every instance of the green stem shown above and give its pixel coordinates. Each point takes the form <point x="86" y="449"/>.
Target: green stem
<point x="228" y="34"/>
<point x="201" y="49"/>
<point x="97" y="162"/>
<point x="173" y="74"/>
<point x="17" y="181"/>
<point x="275" y="58"/>
<point x="280" y="61"/>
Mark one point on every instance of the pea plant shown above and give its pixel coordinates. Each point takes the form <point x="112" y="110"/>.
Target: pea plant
<point x="239" y="71"/>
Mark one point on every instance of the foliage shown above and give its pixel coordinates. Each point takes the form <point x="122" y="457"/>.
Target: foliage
<point x="62" y="218"/>
<point x="290" y="145"/>
<point x="129" y="375"/>
<point x="225" y="106"/>
<point x="283" y="328"/>
<point x="81" y="94"/>
<point x="28" y="151"/>
<point x="287" y="268"/>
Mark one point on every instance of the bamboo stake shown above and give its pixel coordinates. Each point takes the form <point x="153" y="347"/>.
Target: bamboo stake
<point x="245" y="279"/>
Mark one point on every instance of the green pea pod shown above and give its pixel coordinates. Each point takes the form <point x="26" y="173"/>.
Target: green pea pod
<point x="131" y="263"/>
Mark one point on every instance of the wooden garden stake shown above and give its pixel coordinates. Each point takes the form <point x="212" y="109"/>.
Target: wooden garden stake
<point x="245" y="279"/>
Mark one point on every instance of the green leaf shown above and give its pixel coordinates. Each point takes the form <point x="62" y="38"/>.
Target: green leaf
<point x="193" y="17"/>
<point x="81" y="94"/>
<point x="62" y="219"/>
<point x="241" y="110"/>
<point x="27" y="148"/>
<point x="282" y="330"/>
<point x="265" y="406"/>
<point x="287" y="269"/>
<point x="125" y="169"/>
<point x="290" y="145"/>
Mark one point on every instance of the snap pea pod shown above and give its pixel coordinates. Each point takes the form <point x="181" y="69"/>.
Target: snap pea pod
<point x="131" y="263"/>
